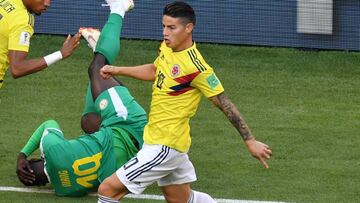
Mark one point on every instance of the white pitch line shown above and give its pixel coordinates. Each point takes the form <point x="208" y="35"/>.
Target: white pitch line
<point x="131" y="196"/>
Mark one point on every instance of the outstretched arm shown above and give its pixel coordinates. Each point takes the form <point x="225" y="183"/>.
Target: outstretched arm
<point x="20" y="66"/>
<point x="142" y="72"/>
<point x="257" y="149"/>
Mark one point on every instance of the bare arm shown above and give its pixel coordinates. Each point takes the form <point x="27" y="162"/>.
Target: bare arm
<point x="259" y="150"/>
<point x="230" y="110"/>
<point x="20" y="66"/>
<point x="142" y="72"/>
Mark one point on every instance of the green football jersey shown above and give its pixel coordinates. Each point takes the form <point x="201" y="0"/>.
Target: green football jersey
<point x="76" y="167"/>
<point x="118" y="108"/>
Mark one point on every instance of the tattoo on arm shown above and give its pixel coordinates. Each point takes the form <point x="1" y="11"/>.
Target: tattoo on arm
<point x="230" y="110"/>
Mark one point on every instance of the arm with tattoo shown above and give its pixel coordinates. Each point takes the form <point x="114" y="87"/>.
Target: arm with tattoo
<point x="257" y="149"/>
<point x="232" y="113"/>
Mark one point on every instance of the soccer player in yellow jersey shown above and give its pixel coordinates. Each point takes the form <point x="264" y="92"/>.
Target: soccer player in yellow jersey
<point x="16" y="29"/>
<point x="180" y="76"/>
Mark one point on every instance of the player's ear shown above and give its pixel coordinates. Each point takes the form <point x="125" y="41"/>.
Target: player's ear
<point x="189" y="27"/>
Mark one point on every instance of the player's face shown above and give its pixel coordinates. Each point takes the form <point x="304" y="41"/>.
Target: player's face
<point x="38" y="6"/>
<point x="176" y="34"/>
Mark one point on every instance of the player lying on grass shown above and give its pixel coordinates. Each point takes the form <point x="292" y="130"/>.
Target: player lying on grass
<point x="76" y="167"/>
<point x="180" y="76"/>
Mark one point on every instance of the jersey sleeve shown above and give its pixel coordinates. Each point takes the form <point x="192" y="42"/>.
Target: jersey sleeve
<point x="89" y="103"/>
<point x="20" y="33"/>
<point x="160" y="55"/>
<point x="156" y="62"/>
<point x="35" y="139"/>
<point x="208" y="83"/>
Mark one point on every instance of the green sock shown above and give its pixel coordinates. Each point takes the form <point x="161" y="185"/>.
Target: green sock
<point x="34" y="141"/>
<point x="109" y="40"/>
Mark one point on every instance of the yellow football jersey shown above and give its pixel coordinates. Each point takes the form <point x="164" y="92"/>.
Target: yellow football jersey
<point x="181" y="78"/>
<point x="16" y="29"/>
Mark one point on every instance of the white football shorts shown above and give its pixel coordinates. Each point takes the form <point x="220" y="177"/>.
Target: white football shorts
<point x="157" y="163"/>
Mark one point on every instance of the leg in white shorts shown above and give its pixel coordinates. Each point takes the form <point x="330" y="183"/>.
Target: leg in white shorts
<point x="156" y="163"/>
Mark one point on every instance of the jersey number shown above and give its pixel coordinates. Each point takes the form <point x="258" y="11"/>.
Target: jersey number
<point x="88" y="174"/>
<point x="160" y="80"/>
<point x="131" y="163"/>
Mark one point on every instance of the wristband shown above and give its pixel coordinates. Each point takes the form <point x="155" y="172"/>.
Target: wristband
<point x="53" y="58"/>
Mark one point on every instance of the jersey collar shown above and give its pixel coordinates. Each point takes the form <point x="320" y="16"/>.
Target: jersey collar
<point x="193" y="46"/>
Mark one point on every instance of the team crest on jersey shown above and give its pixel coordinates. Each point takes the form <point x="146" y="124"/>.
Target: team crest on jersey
<point x="24" y="38"/>
<point x="175" y="70"/>
<point x="103" y="104"/>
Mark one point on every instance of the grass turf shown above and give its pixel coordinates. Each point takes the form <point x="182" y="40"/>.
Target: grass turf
<point x="305" y="105"/>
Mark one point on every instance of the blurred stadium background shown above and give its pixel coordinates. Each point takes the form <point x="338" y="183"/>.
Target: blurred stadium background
<point x="322" y="24"/>
<point x="305" y="105"/>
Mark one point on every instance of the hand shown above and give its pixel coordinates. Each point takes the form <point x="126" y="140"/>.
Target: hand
<point x="259" y="150"/>
<point x="70" y="44"/>
<point x="23" y="169"/>
<point x="107" y="71"/>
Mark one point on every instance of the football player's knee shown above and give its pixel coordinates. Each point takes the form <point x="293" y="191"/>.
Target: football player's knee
<point x="169" y="199"/>
<point x="173" y="200"/>
<point x="104" y="188"/>
<point x="108" y="188"/>
<point x="90" y="122"/>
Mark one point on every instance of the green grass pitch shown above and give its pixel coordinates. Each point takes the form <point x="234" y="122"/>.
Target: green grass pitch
<point x="305" y="105"/>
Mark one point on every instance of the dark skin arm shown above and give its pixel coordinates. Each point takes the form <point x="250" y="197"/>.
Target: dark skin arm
<point x="20" y="66"/>
<point x="257" y="149"/>
<point x="25" y="173"/>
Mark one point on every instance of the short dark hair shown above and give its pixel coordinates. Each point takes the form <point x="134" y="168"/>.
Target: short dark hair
<point x="180" y="9"/>
<point x="37" y="165"/>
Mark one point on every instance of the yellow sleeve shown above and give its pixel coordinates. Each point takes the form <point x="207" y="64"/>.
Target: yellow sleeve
<point x="20" y="33"/>
<point x="208" y="83"/>
<point x="156" y="62"/>
<point x="162" y="50"/>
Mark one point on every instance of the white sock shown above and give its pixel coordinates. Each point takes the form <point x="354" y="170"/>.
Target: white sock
<point x="103" y="199"/>
<point x="200" y="197"/>
<point x="119" y="7"/>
